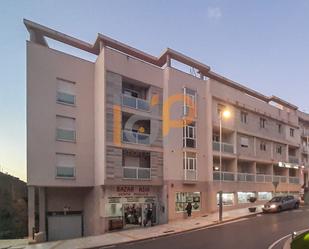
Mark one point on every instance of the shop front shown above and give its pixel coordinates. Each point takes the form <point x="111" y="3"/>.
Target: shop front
<point x="131" y="206"/>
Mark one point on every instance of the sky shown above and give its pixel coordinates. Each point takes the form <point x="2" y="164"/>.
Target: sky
<point x="261" y="44"/>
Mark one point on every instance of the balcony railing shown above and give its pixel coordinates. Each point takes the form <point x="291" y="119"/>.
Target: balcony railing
<point x="135" y="103"/>
<point x="135" y="137"/>
<point x="225" y="176"/>
<point x="226" y="147"/>
<point x="293" y="159"/>
<point x="282" y="179"/>
<point x="305" y="149"/>
<point x="305" y="133"/>
<point x="294" y="180"/>
<point x="245" y="177"/>
<point x="190" y="175"/>
<point x="136" y="173"/>
<point x="263" y="178"/>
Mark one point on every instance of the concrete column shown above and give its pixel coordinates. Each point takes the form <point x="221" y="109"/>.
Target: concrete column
<point x="168" y="60"/>
<point x="31" y="210"/>
<point x="42" y="210"/>
<point x="287" y="153"/>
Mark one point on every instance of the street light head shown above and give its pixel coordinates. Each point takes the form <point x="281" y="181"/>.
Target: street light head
<point x="226" y="114"/>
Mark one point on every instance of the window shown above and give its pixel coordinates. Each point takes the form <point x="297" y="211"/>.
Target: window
<point x="65" y="130"/>
<point x="263" y="146"/>
<point x="262" y="122"/>
<point x="264" y="196"/>
<point x="291" y="132"/>
<point x="65" y="165"/>
<point x="189" y="134"/>
<point x="220" y="108"/>
<point x="189" y="162"/>
<point x="227" y="199"/>
<point x="279" y="149"/>
<point x="189" y="105"/>
<point x="65" y="92"/>
<point x="131" y="93"/>
<point x="244" y="142"/>
<point x="279" y="128"/>
<point x="215" y="137"/>
<point x="183" y="198"/>
<point x="243" y="197"/>
<point x="243" y="117"/>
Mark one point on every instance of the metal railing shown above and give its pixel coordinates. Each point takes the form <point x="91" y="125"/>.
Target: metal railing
<point x="305" y="132"/>
<point x="293" y="180"/>
<point x="135" y="103"/>
<point x="282" y="179"/>
<point x="136" y="173"/>
<point x="263" y="178"/>
<point x="293" y="159"/>
<point x="190" y="175"/>
<point x="225" y="176"/>
<point x="135" y="137"/>
<point x="245" y="177"/>
<point x="226" y="147"/>
<point x="248" y="177"/>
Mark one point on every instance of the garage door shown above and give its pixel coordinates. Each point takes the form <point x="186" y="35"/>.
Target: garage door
<point x="64" y="226"/>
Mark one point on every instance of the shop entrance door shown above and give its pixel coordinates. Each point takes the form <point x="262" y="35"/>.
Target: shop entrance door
<point x="132" y="213"/>
<point x="153" y="209"/>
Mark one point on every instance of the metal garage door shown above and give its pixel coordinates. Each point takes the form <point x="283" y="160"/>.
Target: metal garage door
<point x="64" y="226"/>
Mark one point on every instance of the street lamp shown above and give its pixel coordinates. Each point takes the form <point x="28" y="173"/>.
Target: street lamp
<point x="222" y="114"/>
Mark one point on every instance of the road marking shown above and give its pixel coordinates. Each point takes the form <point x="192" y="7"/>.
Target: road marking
<point x="284" y="237"/>
<point x="277" y="241"/>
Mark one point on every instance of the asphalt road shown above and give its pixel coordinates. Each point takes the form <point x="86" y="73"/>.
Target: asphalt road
<point x="252" y="233"/>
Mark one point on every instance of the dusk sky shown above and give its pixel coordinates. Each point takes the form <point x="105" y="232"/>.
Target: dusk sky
<point x="261" y="44"/>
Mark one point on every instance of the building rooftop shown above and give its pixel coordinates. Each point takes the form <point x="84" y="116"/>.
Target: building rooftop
<point x="39" y="32"/>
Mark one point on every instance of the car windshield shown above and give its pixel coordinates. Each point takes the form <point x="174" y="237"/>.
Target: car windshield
<point x="276" y="199"/>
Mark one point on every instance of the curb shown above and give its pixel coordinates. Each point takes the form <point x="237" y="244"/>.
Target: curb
<point x="287" y="243"/>
<point x="178" y="232"/>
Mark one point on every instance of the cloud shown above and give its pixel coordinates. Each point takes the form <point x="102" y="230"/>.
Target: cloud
<point x="214" y="13"/>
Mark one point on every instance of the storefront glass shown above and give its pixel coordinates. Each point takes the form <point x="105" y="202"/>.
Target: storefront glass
<point x="264" y="196"/>
<point x="183" y="198"/>
<point x="243" y="197"/>
<point x="227" y="199"/>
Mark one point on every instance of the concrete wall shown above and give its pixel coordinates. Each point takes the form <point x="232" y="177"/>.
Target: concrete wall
<point x="44" y="66"/>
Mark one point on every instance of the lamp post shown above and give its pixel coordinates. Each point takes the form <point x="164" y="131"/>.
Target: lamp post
<point x="222" y="114"/>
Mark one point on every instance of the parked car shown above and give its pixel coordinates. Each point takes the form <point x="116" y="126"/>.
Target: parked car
<point x="280" y="203"/>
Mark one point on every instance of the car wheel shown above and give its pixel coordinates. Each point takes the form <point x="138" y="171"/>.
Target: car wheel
<point x="296" y="206"/>
<point x="279" y="209"/>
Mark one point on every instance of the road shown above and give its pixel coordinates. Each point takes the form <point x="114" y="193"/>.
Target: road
<point x="252" y="233"/>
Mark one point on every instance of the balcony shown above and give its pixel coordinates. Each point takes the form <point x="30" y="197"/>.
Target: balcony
<point x="190" y="175"/>
<point x="226" y="147"/>
<point x="135" y="137"/>
<point x="245" y="177"/>
<point x="263" y="178"/>
<point x="225" y="176"/>
<point x="294" y="180"/>
<point x="305" y="132"/>
<point x="293" y="159"/>
<point x="136" y="103"/>
<point x="136" y="173"/>
<point x="282" y="179"/>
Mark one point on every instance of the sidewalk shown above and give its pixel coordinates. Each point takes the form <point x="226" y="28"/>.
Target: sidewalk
<point x="142" y="233"/>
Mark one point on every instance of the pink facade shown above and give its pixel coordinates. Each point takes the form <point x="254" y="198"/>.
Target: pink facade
<point x="102" y="147"/>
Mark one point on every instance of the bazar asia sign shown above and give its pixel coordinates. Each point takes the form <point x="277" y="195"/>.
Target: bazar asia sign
<point x="132" y="190"/>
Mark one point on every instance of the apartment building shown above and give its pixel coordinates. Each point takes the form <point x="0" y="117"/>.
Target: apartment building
<point x="109" y="139"/>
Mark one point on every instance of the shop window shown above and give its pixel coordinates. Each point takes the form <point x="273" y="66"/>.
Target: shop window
<point x="264" y="196"/>
<point x="243" y="197"/>
<point x="227" y="199"/>
<point x="183" y="198"/>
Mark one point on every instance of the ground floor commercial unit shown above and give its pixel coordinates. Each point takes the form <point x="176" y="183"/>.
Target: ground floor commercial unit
<point x="66" y="212"/>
